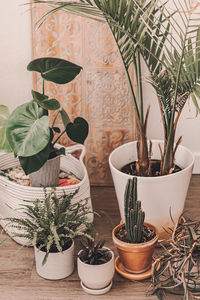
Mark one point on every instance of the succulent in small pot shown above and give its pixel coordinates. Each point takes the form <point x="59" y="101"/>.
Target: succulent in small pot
<point x="95" y="267"/>
<point x="29" y="132"/>
<point x="51" y="226"/>
<point x="134" y="239"/>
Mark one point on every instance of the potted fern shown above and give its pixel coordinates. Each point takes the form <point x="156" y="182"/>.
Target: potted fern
<point x="95" y="264"/>
<point x="51" y="226"/>
<point x="150" y="31"/>
<point x="134" y="239"/>
<point x="29" y="132"/>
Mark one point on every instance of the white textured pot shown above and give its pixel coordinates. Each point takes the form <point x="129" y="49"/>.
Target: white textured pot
<point x="48" y="174"/>
<point x="161" y="195"/>
<point x="13" y="195"/>
<point x="58" y="265"/>
<point x="96" y="276"/>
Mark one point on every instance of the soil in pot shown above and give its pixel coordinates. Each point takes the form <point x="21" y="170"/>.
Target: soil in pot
<point x="106" y="257"/>
<point x="130" y="168"/>
<point x="54" y="249"/>
<point x="147" y="235"/>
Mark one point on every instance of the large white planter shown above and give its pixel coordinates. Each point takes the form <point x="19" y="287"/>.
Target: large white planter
<point x="96" y="277"/>
<point x="12" y="194"/>
<point x="58" y="265"/>
<point x="160" y="196"/>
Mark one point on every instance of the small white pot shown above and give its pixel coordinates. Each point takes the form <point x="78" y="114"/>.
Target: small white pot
<point x="58" y="265"/>
<point x="96" y="277"/>
<point x="48" y="174"/>
<point x="160" y="195"/>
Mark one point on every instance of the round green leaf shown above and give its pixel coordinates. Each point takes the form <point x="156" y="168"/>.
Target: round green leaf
<point x="38" y="96"/>
<point x="51" y="104"/>
<point x="27" y="132"/>
<point x="78" y="131"/>
<point x="54" y="69"/>
<point x="4" y="115"/>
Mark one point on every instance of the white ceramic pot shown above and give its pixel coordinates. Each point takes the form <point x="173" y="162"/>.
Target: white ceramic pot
<point x="96" y="277"/>
<point x="58" y="265"/>
<point x="160" y="196"/>
<point x="48" y="174"/>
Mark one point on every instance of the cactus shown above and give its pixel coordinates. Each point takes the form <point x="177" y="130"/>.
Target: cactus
<point x="134" y="215"/>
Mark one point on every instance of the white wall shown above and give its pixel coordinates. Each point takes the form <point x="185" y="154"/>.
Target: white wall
<point x="15" y="53"/>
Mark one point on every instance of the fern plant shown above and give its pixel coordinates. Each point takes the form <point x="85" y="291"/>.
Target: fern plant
<point x="94" y="253"/>
<point x="53" y="223"/>
<point x="169" y="43"/>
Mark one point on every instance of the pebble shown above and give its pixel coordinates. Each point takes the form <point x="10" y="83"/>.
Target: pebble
<point x="17" y="174"/>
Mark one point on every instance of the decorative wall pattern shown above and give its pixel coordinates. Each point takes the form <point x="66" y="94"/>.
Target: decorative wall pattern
<point x="100" y="93"/>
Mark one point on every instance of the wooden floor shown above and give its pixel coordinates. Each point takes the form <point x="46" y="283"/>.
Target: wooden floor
<point x="19" y="280"/>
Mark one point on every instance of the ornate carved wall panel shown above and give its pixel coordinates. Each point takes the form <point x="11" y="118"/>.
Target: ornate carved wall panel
<point x="100" y="93"/>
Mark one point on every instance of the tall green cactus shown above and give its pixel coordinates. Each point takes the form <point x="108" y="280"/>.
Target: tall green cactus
<point x="134" y="215"/>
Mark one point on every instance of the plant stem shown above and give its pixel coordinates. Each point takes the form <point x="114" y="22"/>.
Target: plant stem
<point x="55" y="119"/>
<point x="139" y="85"/>
<point x="172" y="128"/>
<point x="58" y="138"/>
<point x="43" y="87"/>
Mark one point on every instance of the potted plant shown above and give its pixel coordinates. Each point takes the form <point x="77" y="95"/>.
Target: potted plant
<point x="50" y="226"/>
<point x="95" y="264"/>
<point x="30" y="135"/>
<point x="151" y="31"/>
<point x="179" y="263"/>
<point x="134" y="239"/>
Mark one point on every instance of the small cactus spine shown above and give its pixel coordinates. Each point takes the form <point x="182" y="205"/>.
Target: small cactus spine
<point x="134" y="215"/>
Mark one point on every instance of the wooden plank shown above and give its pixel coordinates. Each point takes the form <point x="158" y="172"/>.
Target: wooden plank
<point x="19" y="280"/>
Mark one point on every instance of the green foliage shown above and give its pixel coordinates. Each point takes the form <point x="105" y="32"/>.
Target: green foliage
<point x="169" y="42"/>
<point x="29" y="132"/>
<point x="51" y="224"/>
<point x="93" y="252"/>
<point x="4" y="115"/>
<point x="134" y="216"/>
<point x="178" y="266"/>
<point x="53" y="69"/>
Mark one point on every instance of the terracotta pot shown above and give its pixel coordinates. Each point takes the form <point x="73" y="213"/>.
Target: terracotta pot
<point x="136" y="258"/>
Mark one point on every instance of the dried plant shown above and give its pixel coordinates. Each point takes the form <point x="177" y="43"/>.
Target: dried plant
<point x="179" y="265"/>
<point x="94" y="253"/>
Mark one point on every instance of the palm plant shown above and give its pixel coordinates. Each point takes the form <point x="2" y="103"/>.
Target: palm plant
<point x="168" y="42"/>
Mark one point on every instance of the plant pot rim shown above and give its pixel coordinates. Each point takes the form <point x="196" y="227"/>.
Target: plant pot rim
<point x="97" y="266"/>
<point x="58" y="252"/>
<point x="151" y="177"/>
<point x="135" y="245"/>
